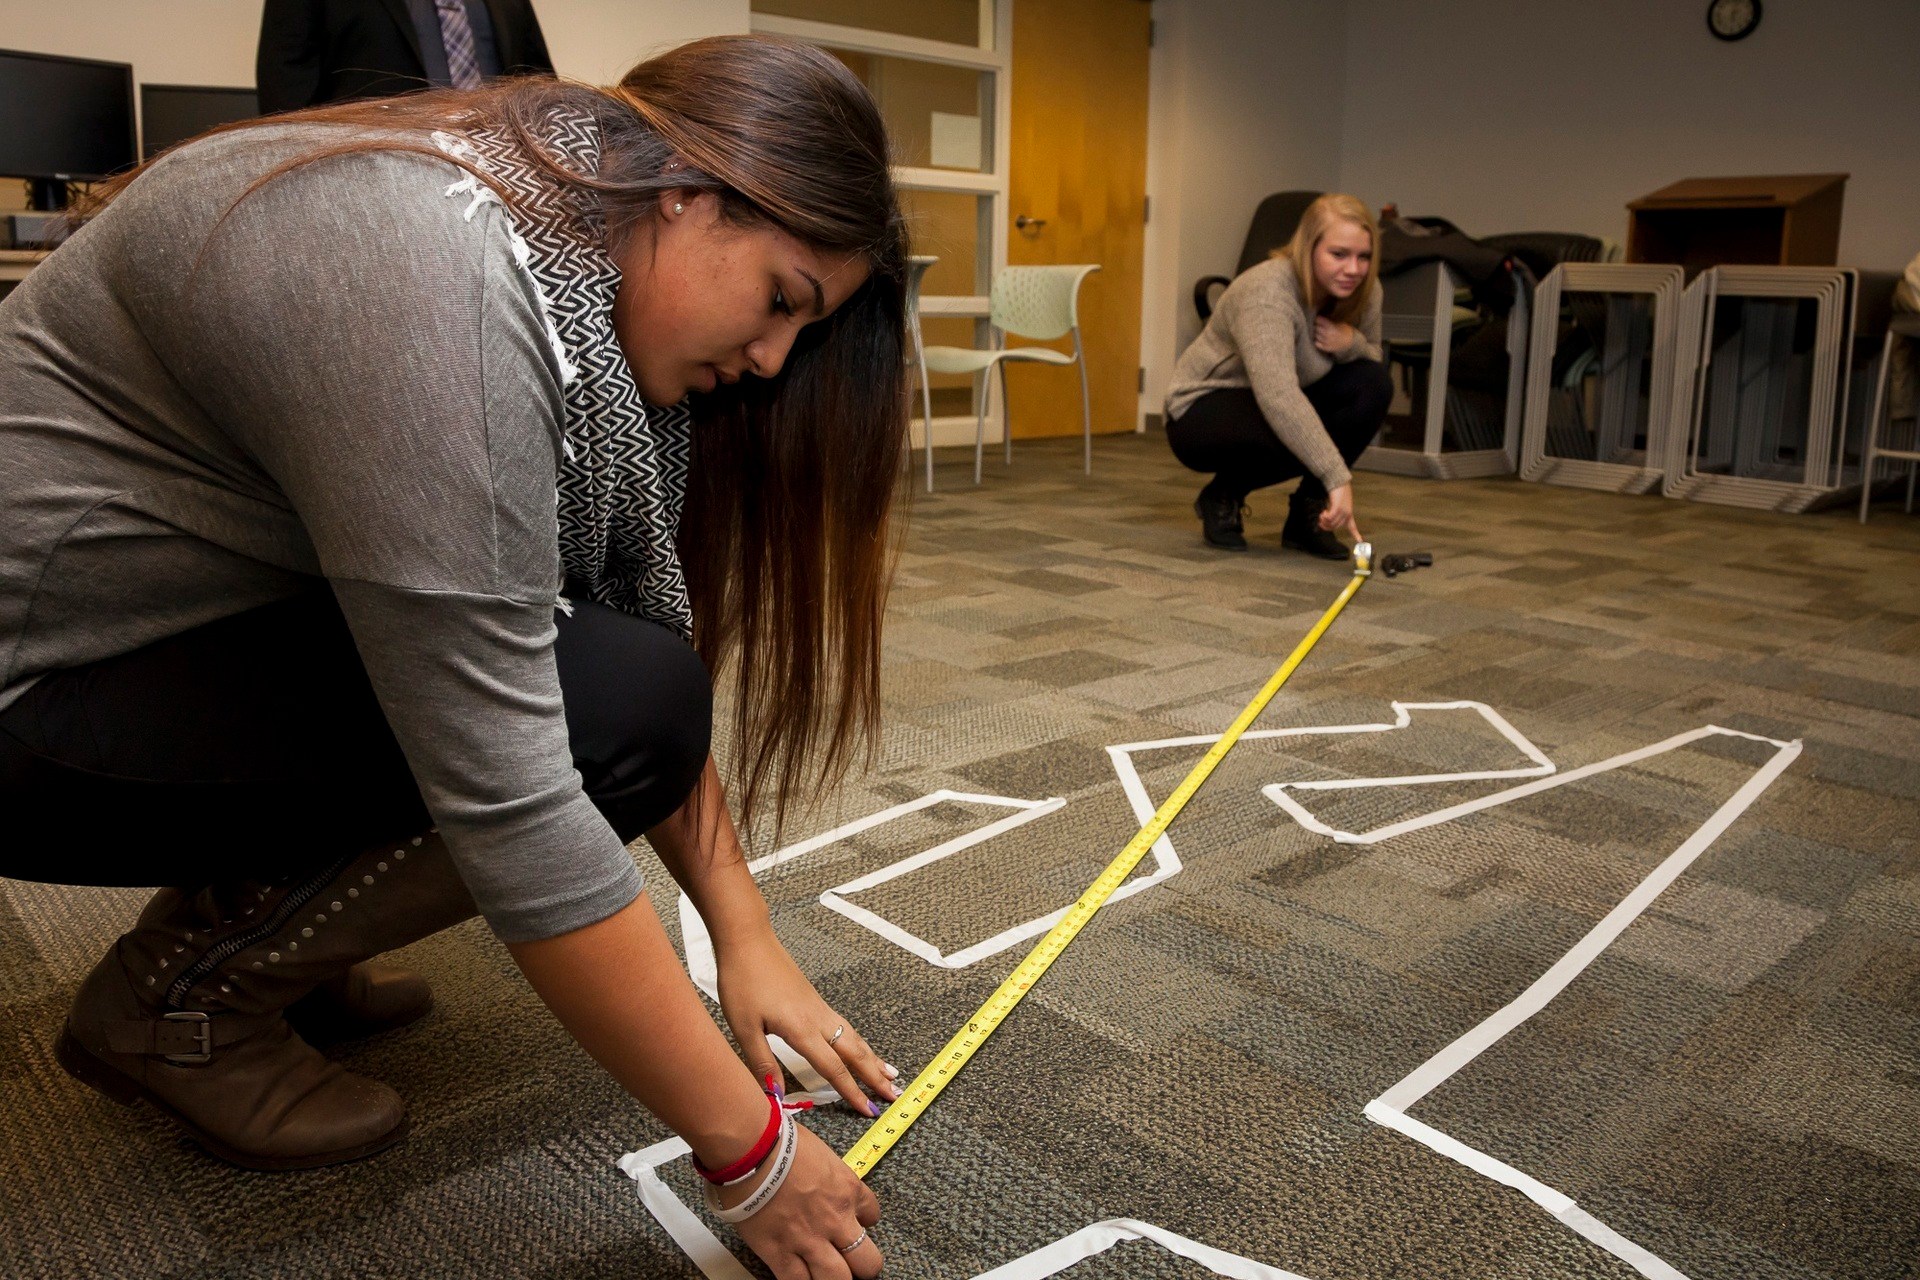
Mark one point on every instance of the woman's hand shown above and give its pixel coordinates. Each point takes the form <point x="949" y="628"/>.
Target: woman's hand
<point x="1332" y="337"/>
<point x="819" y="1210"/>
<point x="1339" y="512"/>
<point x="763" y="992"/>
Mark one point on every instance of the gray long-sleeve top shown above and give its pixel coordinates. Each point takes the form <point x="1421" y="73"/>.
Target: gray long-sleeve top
<point x="356" y="384"/>
<point x="1260" y="336"/>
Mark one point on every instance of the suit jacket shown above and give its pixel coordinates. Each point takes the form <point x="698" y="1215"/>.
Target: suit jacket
<point x="315" y="51"/>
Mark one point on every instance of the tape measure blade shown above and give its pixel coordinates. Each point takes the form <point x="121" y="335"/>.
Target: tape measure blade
<point x="933" y="1079"/>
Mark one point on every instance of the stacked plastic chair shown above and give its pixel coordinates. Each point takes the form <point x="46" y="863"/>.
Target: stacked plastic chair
<point x="1765" y="423"/>
<point x="1631" y="357"/>
<point x="1458" y="440"/>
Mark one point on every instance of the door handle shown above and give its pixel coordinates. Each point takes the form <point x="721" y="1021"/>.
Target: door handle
<point x="1023" y="222"/>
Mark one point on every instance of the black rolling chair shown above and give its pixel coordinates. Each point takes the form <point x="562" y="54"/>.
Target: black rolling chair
<point x="1273" y="225"/>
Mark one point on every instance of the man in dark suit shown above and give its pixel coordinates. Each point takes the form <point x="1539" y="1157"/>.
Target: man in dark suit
<point x="315" y="51"/>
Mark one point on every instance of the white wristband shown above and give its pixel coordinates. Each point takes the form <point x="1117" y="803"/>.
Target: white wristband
<point x="782" y="1165"/>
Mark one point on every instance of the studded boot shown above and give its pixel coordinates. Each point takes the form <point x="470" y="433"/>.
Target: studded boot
<point x="187" y="1011"/>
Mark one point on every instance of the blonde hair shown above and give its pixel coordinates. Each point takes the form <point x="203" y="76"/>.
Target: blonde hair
<point x="1320" y="215"/>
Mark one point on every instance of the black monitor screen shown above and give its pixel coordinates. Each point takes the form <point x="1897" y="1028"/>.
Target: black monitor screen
<point x="171" y="113"/>
<point x="64" y="117"/>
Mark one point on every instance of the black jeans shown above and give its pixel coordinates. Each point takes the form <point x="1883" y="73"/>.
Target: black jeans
<point x="1225" y="433"/>
<point x="253" y="747"/>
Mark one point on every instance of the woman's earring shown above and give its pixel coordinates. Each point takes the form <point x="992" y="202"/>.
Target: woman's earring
<point x="678" y="207"/>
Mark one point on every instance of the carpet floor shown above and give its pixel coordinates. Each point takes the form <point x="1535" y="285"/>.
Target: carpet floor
<point x="1732" y="1085"/>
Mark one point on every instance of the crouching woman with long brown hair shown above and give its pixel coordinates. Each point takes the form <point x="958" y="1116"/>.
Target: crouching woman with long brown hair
<point x="383" y="484"/>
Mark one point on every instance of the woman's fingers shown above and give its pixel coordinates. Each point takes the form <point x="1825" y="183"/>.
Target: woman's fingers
<point x="825" y="1261"/>
<point x="866" y="1205"/>
<point x="827" y="1061"/>
<point x="760" y="1057"/>
<point x="788" y="1267"/>
<point x="866" y="1064"/>
<point x="865" y="1260"/>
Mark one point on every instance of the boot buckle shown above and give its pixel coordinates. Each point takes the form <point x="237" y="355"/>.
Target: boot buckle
<point x="202" y="1036"/>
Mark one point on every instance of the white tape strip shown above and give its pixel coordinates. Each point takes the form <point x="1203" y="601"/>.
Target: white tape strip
<point x="1165" y="866"/>
<point x="716" y="1263"/>
<point x="1101" y="1236"/>
<point x="1551" y="983"/>
<point x="1539" y="1192"/>
<point x="1618" y="1245"/>
<point x="685" y="1226"/>
<point x="701" y="964"/>
<point x="1277" y="792"/>
<point x="1389" y="1109"/>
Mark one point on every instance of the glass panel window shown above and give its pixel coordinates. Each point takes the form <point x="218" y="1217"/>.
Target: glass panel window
<point x="954" y="21"/>
<point x="936" y="115"/>
<point x="949" y="225"/>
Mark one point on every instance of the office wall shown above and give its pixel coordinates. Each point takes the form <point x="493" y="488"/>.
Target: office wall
<point x="1245" y="100"/>
<point x="212" y="41"/>
<point x="1512" y="115"/>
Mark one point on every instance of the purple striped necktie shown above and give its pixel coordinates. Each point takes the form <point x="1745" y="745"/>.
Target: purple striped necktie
<point x="463" y="64"/>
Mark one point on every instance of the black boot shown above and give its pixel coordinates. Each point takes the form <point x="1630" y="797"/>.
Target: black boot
<point x="1302" y="531"/>
<point x="1220" y="521"/>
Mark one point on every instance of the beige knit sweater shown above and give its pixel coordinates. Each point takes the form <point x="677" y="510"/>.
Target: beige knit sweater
<point x="1261" y="337"/>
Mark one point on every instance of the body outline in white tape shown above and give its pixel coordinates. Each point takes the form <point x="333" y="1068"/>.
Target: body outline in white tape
<point x="716" y="1262"/>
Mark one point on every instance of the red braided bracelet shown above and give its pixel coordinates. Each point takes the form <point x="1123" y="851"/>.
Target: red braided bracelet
<point x="747" y="1163"/>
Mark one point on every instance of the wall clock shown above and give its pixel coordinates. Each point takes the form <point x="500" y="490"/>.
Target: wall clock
<point x="1733" y="19"/>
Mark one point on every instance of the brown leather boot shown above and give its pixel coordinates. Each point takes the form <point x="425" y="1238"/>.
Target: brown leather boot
<point x="186" y="1011"/>
<point x="366" y="1000"/>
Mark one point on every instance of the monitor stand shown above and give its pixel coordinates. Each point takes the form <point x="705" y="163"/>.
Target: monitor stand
<point x="48" y="195"/>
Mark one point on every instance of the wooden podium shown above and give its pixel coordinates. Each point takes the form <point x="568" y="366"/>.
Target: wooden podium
<point x="1788" y="220"/>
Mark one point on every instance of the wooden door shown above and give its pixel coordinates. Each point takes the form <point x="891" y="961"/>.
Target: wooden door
<point x="1078" y="137"/>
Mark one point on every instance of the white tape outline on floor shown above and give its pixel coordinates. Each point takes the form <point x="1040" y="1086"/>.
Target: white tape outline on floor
<point x="1143" y="805"/>
<point x="716" y="1262"/>
<point x="697" y="943"/>
<point x="1390" y="1108"/>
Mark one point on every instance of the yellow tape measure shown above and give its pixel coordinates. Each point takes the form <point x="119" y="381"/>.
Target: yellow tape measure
<point x="918" y="1096"/>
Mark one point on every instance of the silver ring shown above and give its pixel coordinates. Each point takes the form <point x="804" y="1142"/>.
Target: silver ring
<point x="835" y="1039"/>
<point x="857" y="1242"/>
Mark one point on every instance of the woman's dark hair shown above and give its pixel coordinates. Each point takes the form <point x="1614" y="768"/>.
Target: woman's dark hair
<point x="787" y="539"/>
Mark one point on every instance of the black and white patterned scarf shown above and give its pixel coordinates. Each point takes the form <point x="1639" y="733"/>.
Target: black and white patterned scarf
<point x="624" y="475"/>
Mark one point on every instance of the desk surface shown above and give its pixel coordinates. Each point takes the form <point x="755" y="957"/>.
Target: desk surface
<point x="15" y="263"/>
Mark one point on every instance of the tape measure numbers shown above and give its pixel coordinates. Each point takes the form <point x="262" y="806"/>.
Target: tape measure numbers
<point x="913" y="1102"/>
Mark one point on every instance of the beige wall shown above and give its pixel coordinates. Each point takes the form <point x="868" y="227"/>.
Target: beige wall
<point x="1514" y="115"/>
<point x="1245" y="101"/>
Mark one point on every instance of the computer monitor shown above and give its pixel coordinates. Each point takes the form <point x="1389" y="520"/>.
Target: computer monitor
<point x="172" y="113"/>
<point x="63" y="120"/>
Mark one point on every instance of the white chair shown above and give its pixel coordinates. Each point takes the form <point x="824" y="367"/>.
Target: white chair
<point x="1902" y="328"/>
<point x="1027" y="302"/>
<point x="917" y="266"/>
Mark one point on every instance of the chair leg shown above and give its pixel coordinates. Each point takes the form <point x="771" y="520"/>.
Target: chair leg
<point x="979" y="422"/>
<point x="1871" y="445"/>
<point x="1086" y="407"/>
<point x="1006" y="416"/>
<point x="926" y="411"/>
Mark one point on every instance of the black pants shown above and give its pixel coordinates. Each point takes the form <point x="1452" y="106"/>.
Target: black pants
<point x="1225" y="433"/>
<point x="253" y="747"/>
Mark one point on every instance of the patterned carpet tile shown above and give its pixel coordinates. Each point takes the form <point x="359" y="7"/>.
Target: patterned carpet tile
<point x="1734" y="1084"/>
